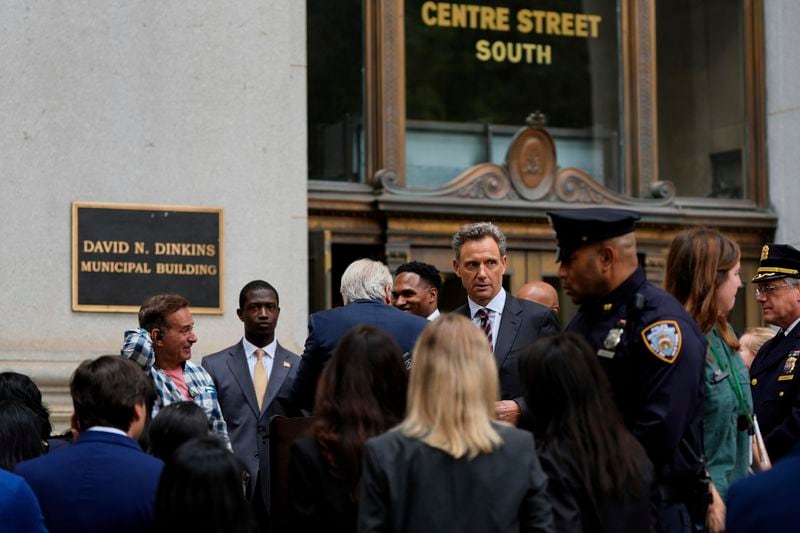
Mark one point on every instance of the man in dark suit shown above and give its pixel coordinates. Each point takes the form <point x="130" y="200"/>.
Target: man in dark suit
<point x="776" y="392"/>
<point x="509" y="323"/>
<point x="104" y="481"/>
<point x="249" y="376"/>
<point x="366" y="290"/>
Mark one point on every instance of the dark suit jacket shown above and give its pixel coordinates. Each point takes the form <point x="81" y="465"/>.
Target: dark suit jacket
<point x="318" y="500"/>
<point x="247" y="426"/>
<point x="327" y="327"/>
<point x="766" y="501"/>
<point x="102" y="482"/>
<point x="775" y="383"/>
<point x="522" y="323"/>
<point x="408" y="486"/>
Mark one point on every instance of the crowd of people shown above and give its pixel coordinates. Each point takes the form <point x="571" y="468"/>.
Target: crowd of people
<point x="646" y="413"/>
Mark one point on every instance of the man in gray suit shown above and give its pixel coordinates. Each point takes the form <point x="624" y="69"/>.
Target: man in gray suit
<point x="249" y="377"/>
<point x="509" y="323"/>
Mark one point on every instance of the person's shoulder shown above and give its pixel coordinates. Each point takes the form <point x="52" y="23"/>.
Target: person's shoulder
<point x="285" y="351"/>
<point x="412" y="320"/>
<point x="222" y="354"/>
<point x="660" y="302"/>
<point x="391" y="442"/>
<point x="37" y="465"/>
<point x="663" y="308"/>
<point x="10" y="483"/>
<point x="528" y="307"/>
<point x="514" y="436"/>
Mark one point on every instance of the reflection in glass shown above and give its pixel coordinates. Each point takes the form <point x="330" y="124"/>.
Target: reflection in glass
<point x="474" y="74"/>
<point x="335" y="87"/>
<point x="701" y="110"/>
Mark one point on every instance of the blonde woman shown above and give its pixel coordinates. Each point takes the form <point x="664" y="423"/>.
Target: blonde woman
<point x="449" y="466"/>
<point x="752" y="340"/>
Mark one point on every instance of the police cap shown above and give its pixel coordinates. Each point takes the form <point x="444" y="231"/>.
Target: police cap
<point x="778" y="261"/>
<point x="578" y="227"/>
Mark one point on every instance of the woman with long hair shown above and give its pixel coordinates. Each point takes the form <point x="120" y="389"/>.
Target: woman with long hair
<point x="599" y="476"/>
<point x="361" y="393"/>
<point x="703" y="274"/>
<point x="201" y="490"/>
<point x="449" y="466"/>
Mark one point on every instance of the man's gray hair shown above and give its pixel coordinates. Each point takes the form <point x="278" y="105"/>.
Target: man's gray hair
<point x="475" y="232"/>
<point x="365" y="279"/>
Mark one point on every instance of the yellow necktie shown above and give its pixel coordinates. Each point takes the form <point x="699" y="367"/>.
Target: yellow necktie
<point x="260" y="377"/>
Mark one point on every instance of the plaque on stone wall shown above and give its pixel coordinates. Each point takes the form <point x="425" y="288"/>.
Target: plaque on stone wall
<point x="124" y="253"/>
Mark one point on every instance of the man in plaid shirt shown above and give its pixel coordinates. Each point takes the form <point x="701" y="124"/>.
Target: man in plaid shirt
<point x="162" y="346"/>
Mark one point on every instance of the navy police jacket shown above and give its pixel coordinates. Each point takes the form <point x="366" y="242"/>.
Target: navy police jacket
<point x="654" y="355"/>
<point x="776" y="392"/>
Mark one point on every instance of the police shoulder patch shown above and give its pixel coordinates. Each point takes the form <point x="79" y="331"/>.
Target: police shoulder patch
<point x="663" y="339"/>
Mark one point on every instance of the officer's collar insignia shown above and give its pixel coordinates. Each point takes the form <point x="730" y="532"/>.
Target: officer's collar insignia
<point x="663" y="339"/>
<point x="607" y="307"/>
<point x="765" y="252"/>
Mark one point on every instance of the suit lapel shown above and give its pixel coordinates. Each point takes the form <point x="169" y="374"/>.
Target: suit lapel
<point x="507" y="332"/>
<point x="773" y="351"/>
<point x="279" y="372"/>
<point x="237" y="363"/>
<point x="463" y="310"/>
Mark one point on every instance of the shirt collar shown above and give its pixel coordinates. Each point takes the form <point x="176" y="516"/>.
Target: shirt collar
<point x="496" y="304"/>
<point x="250" y="348"/>
<point x="106" y="429"/>
<point x="790" y="328"/>
<point x="434" y="315"/>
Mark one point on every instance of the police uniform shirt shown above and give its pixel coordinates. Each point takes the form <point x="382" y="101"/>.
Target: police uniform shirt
<point x="776" y="392"/>
<point x="654" y="355"/>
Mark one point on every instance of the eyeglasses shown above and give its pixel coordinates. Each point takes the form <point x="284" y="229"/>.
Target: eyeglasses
<point x="766" y="290"/>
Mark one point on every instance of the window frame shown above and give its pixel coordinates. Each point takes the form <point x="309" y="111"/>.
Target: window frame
<point x="385" y="102"/>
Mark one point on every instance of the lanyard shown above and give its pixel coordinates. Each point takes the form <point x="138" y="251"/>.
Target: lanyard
<point x="734" y="381"/>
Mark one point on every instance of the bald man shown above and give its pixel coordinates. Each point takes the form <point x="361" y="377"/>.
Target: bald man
<point x="540" y="292"/>
<point x="652" y="351"/>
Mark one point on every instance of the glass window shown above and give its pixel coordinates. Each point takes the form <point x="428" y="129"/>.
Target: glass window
<point x="475" y="72"/>
<point x="335" y="88"/>
<point x="701" y="97"/>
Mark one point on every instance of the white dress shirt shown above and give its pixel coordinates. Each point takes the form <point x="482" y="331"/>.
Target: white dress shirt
<point x="495" y="309"/>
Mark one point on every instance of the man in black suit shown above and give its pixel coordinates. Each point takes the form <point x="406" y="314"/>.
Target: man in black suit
<point x="509" y="323"/>
<point x="366" y="290"/>
<point x="249" y="377"/>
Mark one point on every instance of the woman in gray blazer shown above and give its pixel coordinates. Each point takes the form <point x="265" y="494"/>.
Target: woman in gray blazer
<point x="449" y="466"/>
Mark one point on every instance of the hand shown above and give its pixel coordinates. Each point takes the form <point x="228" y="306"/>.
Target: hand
<point x="508" y="411"/>
<point x="715" y="517"/>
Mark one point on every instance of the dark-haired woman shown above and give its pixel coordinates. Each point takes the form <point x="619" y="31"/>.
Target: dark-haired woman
<point x="20" y="434"/>
<point x="175" y="424"/>
<point x="703" y="274"/>
<point x="599" y="476"/>
<point x="361" y="393"/>
<point x="19" y="387"/>
<point x="201" y="491"/>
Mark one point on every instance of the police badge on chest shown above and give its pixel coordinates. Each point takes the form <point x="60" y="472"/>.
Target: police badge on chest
<point x="609" y="349"/>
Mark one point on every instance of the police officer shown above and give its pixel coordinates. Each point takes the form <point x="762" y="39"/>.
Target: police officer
<point x="776" y="389"/>
<point x="651" y="349"/>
